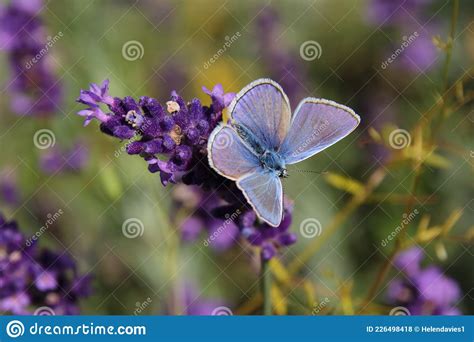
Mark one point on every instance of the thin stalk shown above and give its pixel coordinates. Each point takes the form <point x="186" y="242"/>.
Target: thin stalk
<point x="266" y="279"/>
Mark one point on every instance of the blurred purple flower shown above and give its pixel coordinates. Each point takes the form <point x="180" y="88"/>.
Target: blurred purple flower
<point x="423" y="291"/>
<point x="269" y="238"/>
<point x="280" y="64"/>
<point x="31" y="278"/>
<point x="222" y="233"/>
<point x="9" y="191"/>
<point x="33" y="88"/>
<point x="55" y="160"/>
<point x="385" y="12"/>
<point x="420" y="55"/>
<point x="195" y="305"/>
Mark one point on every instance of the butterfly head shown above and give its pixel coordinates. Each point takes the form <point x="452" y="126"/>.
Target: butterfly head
<point x="283" y="173"/>
<point x="272" y="161"/>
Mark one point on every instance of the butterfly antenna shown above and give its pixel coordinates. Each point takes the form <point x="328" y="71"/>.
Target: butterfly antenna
<point x="310" y="171"/>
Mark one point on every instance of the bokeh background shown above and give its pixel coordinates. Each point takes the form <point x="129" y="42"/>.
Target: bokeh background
<point x="337" y="50"/>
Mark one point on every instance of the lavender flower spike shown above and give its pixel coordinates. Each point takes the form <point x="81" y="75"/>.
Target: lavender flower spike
<point x="94" y="97"/>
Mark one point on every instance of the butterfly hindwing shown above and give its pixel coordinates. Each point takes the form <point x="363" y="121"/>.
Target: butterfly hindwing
<point x="229" y="155"/>
<point x="264" y="192"/>
<point x="316" y="125"/>
<point x="263" y="108"/>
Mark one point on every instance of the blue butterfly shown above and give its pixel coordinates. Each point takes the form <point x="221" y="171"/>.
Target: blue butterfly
<point x="262" y="138"/>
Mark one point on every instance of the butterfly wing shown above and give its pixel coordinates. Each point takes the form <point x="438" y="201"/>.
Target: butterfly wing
<point x="264" y="192"/>
<point x="316" y="125"/>
<point x="229" y="155"/>
<point x="264" y="109"/>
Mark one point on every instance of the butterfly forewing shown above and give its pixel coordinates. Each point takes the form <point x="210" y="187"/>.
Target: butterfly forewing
<point x="264" y="192"/>
<point x="263" y="108"/>
<point x="316" y="125"/>
<point x="229" y="155"/>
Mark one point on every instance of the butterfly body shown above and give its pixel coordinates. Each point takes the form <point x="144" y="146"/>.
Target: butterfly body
<point x="262" y="138"/>
<point x="273" y="162"/>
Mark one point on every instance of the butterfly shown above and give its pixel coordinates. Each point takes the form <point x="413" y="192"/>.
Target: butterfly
<point x="262" y="137"/>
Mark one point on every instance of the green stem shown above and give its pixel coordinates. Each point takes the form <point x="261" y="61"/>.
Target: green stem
<point x="449" y="52"/>
<point x="266" y="279"/>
